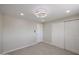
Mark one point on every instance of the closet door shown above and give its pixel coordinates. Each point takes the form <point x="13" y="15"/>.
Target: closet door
<point x="58" y="34"/>
<point x="72" y="36"/>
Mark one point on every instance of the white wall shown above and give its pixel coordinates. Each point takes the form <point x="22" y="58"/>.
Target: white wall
<point x="47" y="33"/>
<point x="54" y="33"/>
<point x="64" y="34"/>
<point x="0" y="33"/>
<point x="58" y="34"/>
<point x="72" y="36"/>
<point x="18" y="33"/>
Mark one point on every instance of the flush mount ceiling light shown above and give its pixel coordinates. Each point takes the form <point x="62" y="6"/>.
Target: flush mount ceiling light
<point x="67" y="11"/>
<point x="40" y="13"/>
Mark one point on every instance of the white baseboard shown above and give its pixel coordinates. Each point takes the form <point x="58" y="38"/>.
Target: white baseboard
<point x="4" y="53"/>
<point x="62" y="48"/>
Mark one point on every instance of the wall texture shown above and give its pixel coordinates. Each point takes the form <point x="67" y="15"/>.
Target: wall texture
<point x="18" y="33"/>
<point x="54" y="33"/>
<point x="58" y="34"/>
<point x="72" y="36"/>
<point x="65" y="33"/>
<point x="0" y="33"/>
<point x="47" y="33"/>
<point x="48" y="27"/>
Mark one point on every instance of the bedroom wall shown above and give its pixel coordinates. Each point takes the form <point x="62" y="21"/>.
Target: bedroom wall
<point x="72" y="35"/>
<point x="48" y="27"/>
<point x="18" y="33"/>
<point x="59" y="33"/>
<point x="0" y="33"/>
<point x="54" y="33"/>
<point x="47" y="33"/>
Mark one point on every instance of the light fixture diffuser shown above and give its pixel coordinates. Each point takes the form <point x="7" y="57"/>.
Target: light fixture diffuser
<point x="40" y="13"/>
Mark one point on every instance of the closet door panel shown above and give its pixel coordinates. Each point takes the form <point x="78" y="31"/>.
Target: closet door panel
<point x="72" y="36"/>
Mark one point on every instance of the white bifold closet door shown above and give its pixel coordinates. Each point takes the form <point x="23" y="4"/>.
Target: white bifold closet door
<point x="72" y="35"/>
<point x="58" y="34"/>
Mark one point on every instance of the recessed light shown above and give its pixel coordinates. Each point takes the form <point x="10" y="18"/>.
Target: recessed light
<point x="21" y="14"/>
<point x="67" y="11"/>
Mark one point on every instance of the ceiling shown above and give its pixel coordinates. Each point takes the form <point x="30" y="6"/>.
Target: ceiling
<point x="54" y="11"/>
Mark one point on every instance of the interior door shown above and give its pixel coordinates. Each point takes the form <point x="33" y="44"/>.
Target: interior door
<point x="58" y="34"/>
<point x="72" y="36"/>
<point x="39" y="33"/>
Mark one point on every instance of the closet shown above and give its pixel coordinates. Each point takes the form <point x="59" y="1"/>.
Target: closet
<point x="66" y="35"/>
<point x="72" y="35"/>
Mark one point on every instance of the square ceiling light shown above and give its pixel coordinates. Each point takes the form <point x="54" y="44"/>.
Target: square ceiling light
<point x="40" y="13"/>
